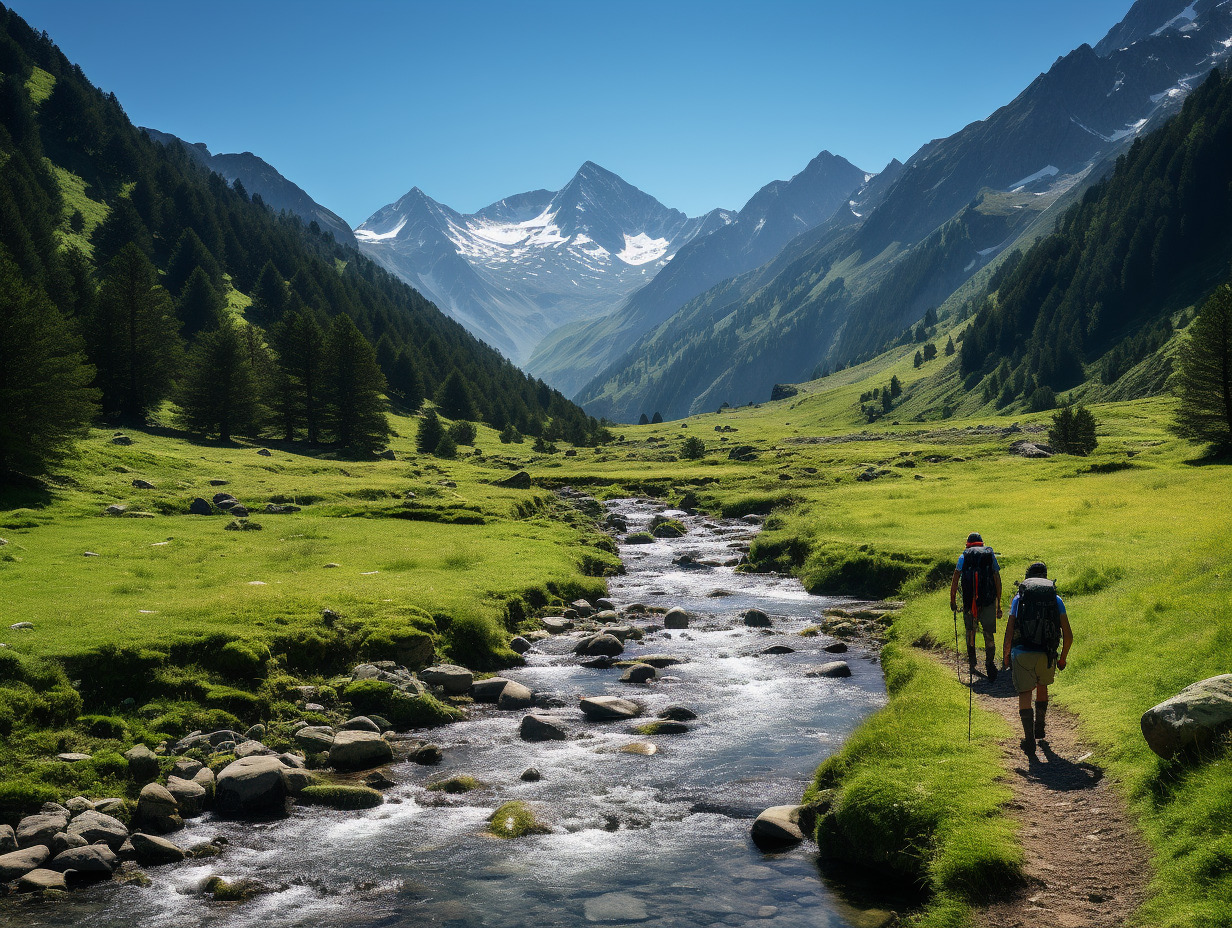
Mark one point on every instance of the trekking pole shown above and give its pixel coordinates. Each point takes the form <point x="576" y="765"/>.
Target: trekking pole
<point x="957" y="671"/>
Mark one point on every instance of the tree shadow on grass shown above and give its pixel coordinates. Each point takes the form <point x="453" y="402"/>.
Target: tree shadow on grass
<point x="1212" y="458"/>
<point x="20" y="491"/>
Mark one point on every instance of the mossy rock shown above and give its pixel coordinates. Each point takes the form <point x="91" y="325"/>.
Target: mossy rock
<point x="669" y="529"/>
<point x="454" y="785"/>
<point x="640" y="538"/>
<point x="369" y="697"/>
<point x="811" y="632"/>
<point x="663" y="727"/>
<point x="237" y="891"/>
<point x="515" y="819"/>
<point x="340" y="796"/>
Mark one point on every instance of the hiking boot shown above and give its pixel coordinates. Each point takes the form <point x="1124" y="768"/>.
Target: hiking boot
<point x="990" y="663"/>
<point x="1041" y="710"/>
<point x="971" y="659"/>
<point x="1027" y="745"/>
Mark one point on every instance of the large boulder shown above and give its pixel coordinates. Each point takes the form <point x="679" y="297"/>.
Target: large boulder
<point x="519" y="481"/>
<point x="19" y="863"/>
<point x="639" y="673"/>
<point x="252" y="785"/>
<point x="1191" y="719"/>
<point x="603" y="645"/>
<point x="488" y="690"/>
<point x="315" y="739"/>
<point x="40" y="828"/>
<point x="151" y="850"/>
<point x="542" y="728"/>
<point x="94" y="861"/>
<point x="756" y="618"/>
<point x="142" y="763"/>
<point x="358" y="750"/>
<point x="8" y="839"/>
<point x="454" y="680"/>
<point x="778" y="827"/>
<point x="157" y="810"/>
<point x="41" y="880"/>
<point x="200" y="507"/>
<point x="99" y="828"/>
<point x="609" y="708"/>
<point x="515" y="696"/>
<point x="676" y="618"/>
<point x="830" y="669"/>
<point x="190" y="796"/>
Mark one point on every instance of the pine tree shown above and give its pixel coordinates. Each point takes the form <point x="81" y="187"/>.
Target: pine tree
<point x="895" y="388"/>
<point x="930" y="351"/>
<point x="949" y="346"/>
<point x="269" y="296"/>
<point x="656" y="418"/>
<point x="189" y="255"/>
<point x="406" y="381"/>
<point x="45" y="396"/>
<point x="199" y="307"/>
<point x="919" y="359"/>
<point x="454" y="398"/>
<point x="299" y="377"/>
<point x="643" y="419"/>
<point x="123" y="226"/>
<point x="1204" y="374"/>
<point x="132" y="337"/>
<point x="447" y="447"/>
<point x="1073" y="431"/>
<point x="354" y="383"/>
<point x="430" y="432"/>
<point x="219" y="393"/>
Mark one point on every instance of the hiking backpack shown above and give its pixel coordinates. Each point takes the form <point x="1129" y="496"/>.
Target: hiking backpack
<point x="979" y="578"/>
<point x="1037" y="623"/>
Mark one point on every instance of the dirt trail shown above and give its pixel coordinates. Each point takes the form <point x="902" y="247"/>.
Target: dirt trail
<point x="1086" y="864"/>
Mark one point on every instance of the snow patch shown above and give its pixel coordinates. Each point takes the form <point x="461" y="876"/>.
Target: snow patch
<point x="1050" y="170"/>
<point x="1132" y="129"/>
<point x="1186" y="14"/>
<point x="642" y="249"/>
<point x="367" y="235"/>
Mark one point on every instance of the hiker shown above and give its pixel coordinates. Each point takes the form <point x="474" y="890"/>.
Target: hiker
<point x="979" y="574"/>
<point x="1037" y="625"/>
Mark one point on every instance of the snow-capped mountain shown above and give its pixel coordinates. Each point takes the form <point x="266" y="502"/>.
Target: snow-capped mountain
<point x="526" y="265"/>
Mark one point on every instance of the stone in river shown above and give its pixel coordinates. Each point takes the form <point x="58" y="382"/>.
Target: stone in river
<point x="777" y="827"/>
<point x="837" y="647"/>
<point x="17" y="863"/>
<point x="357" y="750"/>
<point x="515" y="696"/>
<point x="455" y="680"/>
<point x="639" y="673"/>
<point x="676" y="618"/>
<point x="831" y="669"/>
<point x="542" y="728"/>
<point x="609" y="708"/>
<point x="613" y="908"/>
<point x="678" y="714"/>
<point x="755" y="618"/>
<point x="41" y="880"/>
<point x="152" y="851"/>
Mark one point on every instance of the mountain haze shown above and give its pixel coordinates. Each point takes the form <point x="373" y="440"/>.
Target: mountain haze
<point x="528" y="264"/>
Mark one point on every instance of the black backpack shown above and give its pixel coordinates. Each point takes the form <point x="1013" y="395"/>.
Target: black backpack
<point x="979" y="579"/>
<point x="1037" y="624"/>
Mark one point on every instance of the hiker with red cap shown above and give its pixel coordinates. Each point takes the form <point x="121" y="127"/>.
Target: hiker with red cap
<point x="979" y="575"/>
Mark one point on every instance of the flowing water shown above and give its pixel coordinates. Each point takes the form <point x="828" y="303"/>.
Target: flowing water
<point x="659" y="839"/>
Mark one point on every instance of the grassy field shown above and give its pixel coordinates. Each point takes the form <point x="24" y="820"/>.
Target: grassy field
<point x="1137" y="535"/>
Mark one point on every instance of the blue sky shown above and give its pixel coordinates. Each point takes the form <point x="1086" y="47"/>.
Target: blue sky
<point x="697" y="103"/>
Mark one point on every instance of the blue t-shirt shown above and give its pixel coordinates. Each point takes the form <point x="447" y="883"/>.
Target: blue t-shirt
<point x="1014" y="612"/>
<point x="995" y="565"/>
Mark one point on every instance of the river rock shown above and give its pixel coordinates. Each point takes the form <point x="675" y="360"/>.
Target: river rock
<point x="17" y="863"/>
<point x="454" y="680"/>
<point x="157" y="810"/>
<point x="755" y="618"/>
<point x="520" y="645"/>
<point x="64" y="840"/>
<point x="37" y="881"/>
<point x="582" y="607"/>
<point x="542" y="728"/>
<point x="8" y="839"/>
<point x="599" y="645"/>
<point x="189" y="796"/>
<point x="251" y="749"/>
<point x="605" y="616"/>
<point x="778" y="649"/>
<point x="200" y="507"/>
<point x="488" y="690"/>
<point x="556" y="624"/>
<point x="598" y="663"/>
<point x="427" y="755"/>
<point x="778" y="826"/>
<point x="361" y="723"/>
<point x="615" y="908"/>
<point x="205" y="779"/>
<point x="153" y="851"/>
<point x="315" y="739"/>
<point x="676" y="618"/>
<point x="639" y="673"/>
<point x="96" y="827"/>
<point x="298" y="779"/>
<point x="358" y="750"/>
<point x="79" y="804"/>
<point x="94" y="861"/>
<point x="659" y="660"/>
<point x="838" y="647"/>
<point x="677" y="714"/>
<point x="186" y="767"/>
<point x="41" y="828"/>
<point x="251" y="785"/>
<point x="625" y="632"/>
<point x="831" y="669"/>
<point x="142" y="763"/>
<point x="1191" y="719"/>
<point x="515" y="696"/>
<point x="609" y="708"/>
<point x="531" y="775"/>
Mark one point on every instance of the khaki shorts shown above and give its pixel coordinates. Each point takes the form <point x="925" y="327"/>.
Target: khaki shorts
<point x="1032" y="669"/>
<point x="987" y="616"/>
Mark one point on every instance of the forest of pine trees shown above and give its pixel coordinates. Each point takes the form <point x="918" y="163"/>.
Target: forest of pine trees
<point x="143" y="307"/>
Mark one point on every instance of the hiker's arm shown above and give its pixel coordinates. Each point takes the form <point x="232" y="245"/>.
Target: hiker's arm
<point x="1067" y="638"/>
<point x="1009" y="639"/>
<point x="954" y="593"/>
<point x="998" y="594"/>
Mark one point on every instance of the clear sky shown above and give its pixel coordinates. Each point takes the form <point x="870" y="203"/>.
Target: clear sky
<point x="697" y="103"/>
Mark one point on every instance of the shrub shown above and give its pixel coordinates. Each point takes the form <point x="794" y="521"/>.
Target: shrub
<point x="242" y="659"/>
<point x="236" y="701"/>
<point x="693" y="448"/>
<point x="447" y="447"/>
<point x="104" y="726"/>
<point x="20" y="797"/>
<point x="463" y="433"/>
<point x="475" y="641"/>
<point x="338" y="796"/>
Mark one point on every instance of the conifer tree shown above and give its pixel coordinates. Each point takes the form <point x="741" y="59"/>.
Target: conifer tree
<point x="269" y="296"/>
<point x="219" y="393"/>
<point x="454" y="398"/>
<point x="406" y="381"/>
<point x="1204" y="374"/>
<point x="123" y="226"/>
<point x="298" y="378"/>
<point x="199" y="307"/>
<point x="430" y="432"/>
<point x="656" y="418"/>
<point x="643" y="419"/>
<point x="949" y="346"/>
<point x="133" y="338"/>
<point x="46" y="399"/>
<point x="354" y="383"/>
<point x="190" y="254"/>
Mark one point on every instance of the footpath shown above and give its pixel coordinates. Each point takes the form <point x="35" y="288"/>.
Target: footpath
<point x="1086" y="864"/>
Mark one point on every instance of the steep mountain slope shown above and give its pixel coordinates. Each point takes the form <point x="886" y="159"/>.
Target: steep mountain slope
<point x="958" y="204"/>
<point x="258" y="176"/>
<point x="520" y="268"/>
<point x="773" y="216"/>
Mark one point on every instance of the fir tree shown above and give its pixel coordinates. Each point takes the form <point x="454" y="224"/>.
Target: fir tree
<point x="454" y="398"/>
<point x="656" y="418"/>
<point x="896" y="387"/>
<point x="123" y="226"/>
<point x="1204" y="374"/>
<point x="45" y="396"/>
<point x="919" y="359"/>
<point x="299" y="376"/>
<point x="219" y="393"/>
<point x="446" y="447"/>
<point x="190" y="254"/>
<point x="463" y="432"/>
<point x="406" y="381"/>
<point x="930" y="352"/>
<point x="949" y="346"/>
<point x="354" y="383"/>
<point x="1073" y="431"/>
<point x="643" y="419"/>
<point x="199" y="307"/>
<point x="430" y="432"/>
<point x="269" y="296"/>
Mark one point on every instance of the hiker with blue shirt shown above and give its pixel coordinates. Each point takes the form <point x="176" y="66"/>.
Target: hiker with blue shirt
<point x="979" y="575"/>
<point x="1038" y="625"/>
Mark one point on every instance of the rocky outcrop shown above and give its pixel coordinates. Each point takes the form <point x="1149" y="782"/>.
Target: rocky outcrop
<point x="358" y="750"/>
<point x="454" y="680"/>
<point x="1190" y="720"/>
<point x="252" y="785"/>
